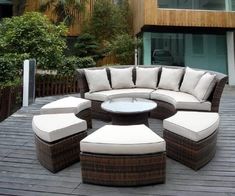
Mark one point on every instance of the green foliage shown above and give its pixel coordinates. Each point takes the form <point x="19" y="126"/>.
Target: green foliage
<point x="84" y="62"/>
<point x="64" y="10"/>
<point x="123" y="46"/>
<point x="35" y="35"/>
<point x="72" y="63"/>
<point x="87" y="46"/>
<point x="126" y="17"/>
<point x="108" y="20"/>
<point x="10" y="68"/>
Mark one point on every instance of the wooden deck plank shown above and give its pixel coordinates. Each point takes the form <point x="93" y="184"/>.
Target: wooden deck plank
<point x="21" y="174"/>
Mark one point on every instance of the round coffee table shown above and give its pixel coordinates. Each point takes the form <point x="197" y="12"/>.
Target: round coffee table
<point x="129" y="111"/>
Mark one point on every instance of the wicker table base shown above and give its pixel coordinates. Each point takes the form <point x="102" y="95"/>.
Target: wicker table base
<point x="60" y="154"/>
<point x="123" y="170"/>
<point x="190" y="153"/>
<point x="130" y="119"/>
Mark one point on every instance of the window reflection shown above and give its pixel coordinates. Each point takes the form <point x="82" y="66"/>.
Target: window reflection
<point x="193" y="4"/>
<point x="206" y="51"/>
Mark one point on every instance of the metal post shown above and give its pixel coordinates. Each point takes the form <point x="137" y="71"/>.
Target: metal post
<point x="29" y="82"/>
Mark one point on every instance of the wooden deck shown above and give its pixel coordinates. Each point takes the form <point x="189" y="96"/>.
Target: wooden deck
<point x="21" y="174"/>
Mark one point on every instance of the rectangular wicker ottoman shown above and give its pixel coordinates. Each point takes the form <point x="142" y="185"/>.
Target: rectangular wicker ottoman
<point x="123" y="156"/>
<point x="191" y="137"/>
<point x="57" y="139"/>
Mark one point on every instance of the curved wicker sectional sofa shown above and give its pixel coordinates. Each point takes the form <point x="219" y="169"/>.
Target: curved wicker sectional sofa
<point x="190" y="135"/>
<point x="167" y="106"/>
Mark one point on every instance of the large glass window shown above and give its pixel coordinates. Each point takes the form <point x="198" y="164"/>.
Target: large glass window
<point x="206" y="51"/>
<point x="233" y="5"/>
<point x="193" y="4"/>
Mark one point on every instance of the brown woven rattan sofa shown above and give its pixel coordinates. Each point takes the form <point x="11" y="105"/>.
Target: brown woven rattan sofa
<point x="164" y="109"/>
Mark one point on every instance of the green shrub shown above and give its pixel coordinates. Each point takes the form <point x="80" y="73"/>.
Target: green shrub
<point x="123" y="47"/>
<point x="108" y="20"/>
<point x="35" y="35"/>
<point x="84" y="62"/>
<point x="11" y="68"/>
<point x="72" y="63"/>
<point x="87" y="46"/>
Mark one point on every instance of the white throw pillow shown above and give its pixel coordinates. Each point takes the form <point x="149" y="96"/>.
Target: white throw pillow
<point x="170" y="79"/>
<point x="97" y="80"/>
<point x="147" y="77"/>
<point x="191" y="78"/>
<point x="121" y="78"/>
<point x="205" y="86"/>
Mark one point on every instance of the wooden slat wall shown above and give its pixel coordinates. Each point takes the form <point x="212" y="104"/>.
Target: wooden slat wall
<point x="146" y="12"/>
<point x="137" y="9"/>
<point x="74" y="30"/>
<point x="108" y="60"/>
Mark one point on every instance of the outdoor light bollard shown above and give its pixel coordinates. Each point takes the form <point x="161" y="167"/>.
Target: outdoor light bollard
<point x="29" y="69"/>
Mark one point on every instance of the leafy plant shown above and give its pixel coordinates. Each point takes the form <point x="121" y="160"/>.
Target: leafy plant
<point x="123" y="46"/>
<point x="84" y="62"/>
<point x="64" y="10"/>
<point x="72" y="63"/>
<point x="10" y="68"/>
<point x="106" y="21"/>
<point x="87" y="46"/>
<point x="109" y="20"/>
<point x="35" y="35"/>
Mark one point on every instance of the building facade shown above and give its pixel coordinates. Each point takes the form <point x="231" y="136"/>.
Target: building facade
<point x="195" y="33"/>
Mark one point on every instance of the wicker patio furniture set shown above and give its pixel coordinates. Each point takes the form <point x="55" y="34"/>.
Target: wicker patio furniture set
<point x="123" y="154"/>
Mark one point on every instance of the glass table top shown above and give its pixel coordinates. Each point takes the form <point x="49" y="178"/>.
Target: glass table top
<point x="128" y="105"/>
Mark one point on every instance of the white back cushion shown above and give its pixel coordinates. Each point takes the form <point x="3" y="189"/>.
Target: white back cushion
<point x="191" y="78"/>
<point x="205" y="86"/>
<point x="121" y="78"/>
<point x="147" y="77"/>
<point x="170" y="78"/>
<point x="97" y="80"/>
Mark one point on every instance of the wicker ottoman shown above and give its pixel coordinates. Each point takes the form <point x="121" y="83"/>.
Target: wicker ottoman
<point x="80" y="107"/>
<point x="57" y="139"/>
<point x="191" y="137"/>
<point x="123" y="156"/>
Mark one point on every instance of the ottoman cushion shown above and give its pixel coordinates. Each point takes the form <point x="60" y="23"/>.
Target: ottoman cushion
<point x="66" y="105"/>
<point x="113" y="139"/>
<point x="52" y="127"/>
<point x="192" y="125"/>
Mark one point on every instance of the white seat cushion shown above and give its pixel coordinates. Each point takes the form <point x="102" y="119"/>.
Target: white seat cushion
<point x="121" y="78"/>
<point x="191" y="78"/>
<point x="181" y="100"/>
<point x="52" y="127"/>
<point x="114" y="139"/>
<point x="97" y="80"/>
<point x="170" y="78"/>
<point x="147" y="77"/>
<point x="66" y="105"/>
<point x="118" y="93"/>
<point x="195" y="126"/>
